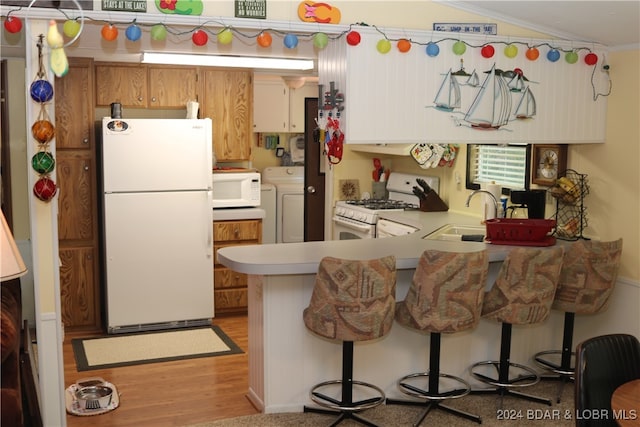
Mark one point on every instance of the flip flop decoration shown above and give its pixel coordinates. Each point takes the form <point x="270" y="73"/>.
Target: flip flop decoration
<point x="322" y="13"/>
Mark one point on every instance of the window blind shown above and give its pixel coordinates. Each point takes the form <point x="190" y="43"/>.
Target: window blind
<point x="504" y="164"/>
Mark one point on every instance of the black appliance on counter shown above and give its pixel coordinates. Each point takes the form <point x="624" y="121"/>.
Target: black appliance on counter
<point x="533" y="200"/>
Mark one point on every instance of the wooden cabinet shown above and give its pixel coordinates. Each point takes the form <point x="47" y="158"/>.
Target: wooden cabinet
<point x="142" y="86"/>
<point x="126" y="84"/>
<point x="230" y="287"/>
<point x="172" y="87"/>
<point x="225" y="96"/>
<point x="277" y="108"/>
<point x="77" y="198"/>
<point x="227" y="100"/>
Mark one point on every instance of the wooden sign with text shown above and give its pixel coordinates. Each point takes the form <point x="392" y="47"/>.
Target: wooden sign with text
<point x="256" y="9"/>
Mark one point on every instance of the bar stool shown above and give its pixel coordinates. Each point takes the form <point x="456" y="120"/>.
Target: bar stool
<point x="522" y="295"/>
<point x="587" y="279"/>
<point x="351" y="301"/>
<point x="445" y="297"/>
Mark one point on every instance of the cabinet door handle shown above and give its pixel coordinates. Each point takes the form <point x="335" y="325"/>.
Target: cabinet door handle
<point x="86" y="167"/>
<point x="153" y="99"/>
<point x="140" y="98"/>
<point x="85" y="140"/>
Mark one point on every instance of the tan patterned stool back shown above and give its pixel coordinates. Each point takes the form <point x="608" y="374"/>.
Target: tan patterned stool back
<point x="445" y="296"/>
<point x="446" y="293"/>
<point x="522" y="294"/>
<point x="525" y="287"/>
<point x="587" y="279"/>
<point x="588" y="276"/>
<point x="353" y="300"/>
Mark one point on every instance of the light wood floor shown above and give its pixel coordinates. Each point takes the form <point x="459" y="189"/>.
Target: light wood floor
<point x="173" y="393"/>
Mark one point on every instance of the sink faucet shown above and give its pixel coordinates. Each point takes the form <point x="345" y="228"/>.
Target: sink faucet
<point x="495" y="201"/>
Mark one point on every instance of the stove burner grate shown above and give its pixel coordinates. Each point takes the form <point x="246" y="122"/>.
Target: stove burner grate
<point x="382" y="204"/>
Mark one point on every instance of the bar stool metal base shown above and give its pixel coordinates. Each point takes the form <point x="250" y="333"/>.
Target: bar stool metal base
<point x="433" y="399"/>
<point x="564" y="372"/>
<point x="345" y="408"/>
<point x="432" y="394"/>
<point x="504" y="385"/>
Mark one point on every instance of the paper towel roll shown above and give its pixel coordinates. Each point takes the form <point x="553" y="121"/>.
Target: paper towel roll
<point x="489" y="203"/>
<point x="192" y="109"/>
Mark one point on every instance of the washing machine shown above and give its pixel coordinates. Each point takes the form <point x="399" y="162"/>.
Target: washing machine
<point x="289" y="184"/>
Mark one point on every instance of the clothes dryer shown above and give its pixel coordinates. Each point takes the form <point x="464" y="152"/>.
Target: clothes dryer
<point x="289" y="183"/>
<point x="268" y="203"/>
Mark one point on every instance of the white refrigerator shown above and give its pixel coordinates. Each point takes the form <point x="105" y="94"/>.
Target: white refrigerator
<point x="157" y="219"/>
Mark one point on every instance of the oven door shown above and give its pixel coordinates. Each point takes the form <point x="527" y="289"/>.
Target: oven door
<point x="346" y="229"/>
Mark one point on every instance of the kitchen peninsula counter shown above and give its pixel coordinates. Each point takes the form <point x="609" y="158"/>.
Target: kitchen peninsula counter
<point x="303" y="258"/>
<point x="286" y="359"/>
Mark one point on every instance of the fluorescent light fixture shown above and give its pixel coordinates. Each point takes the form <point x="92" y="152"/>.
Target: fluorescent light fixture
<point x="227" y="61"/>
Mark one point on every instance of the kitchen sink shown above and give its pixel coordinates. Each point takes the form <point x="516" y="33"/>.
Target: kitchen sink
<point x="457" y="232"/>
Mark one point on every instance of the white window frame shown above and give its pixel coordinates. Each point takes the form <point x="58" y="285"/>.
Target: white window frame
<point x="509" y="165"/>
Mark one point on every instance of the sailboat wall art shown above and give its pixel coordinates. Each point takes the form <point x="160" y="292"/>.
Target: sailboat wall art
<point x="493" y="105"/>
<point x="412" y="97"/>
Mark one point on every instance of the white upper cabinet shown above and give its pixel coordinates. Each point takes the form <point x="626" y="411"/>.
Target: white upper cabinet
<point x="270" y="105"/>
<point x="296" y="105"/>
<point x="392" y="98"/>
<point x="278" y="108"/>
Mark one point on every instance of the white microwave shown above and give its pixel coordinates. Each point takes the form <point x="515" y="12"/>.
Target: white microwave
<point x="235" y="189"/>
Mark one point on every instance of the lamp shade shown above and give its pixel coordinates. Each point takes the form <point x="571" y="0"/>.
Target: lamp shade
<point x="12" y="265"/>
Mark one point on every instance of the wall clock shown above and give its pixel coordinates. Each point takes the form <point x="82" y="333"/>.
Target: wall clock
<point x="549" y="162"/>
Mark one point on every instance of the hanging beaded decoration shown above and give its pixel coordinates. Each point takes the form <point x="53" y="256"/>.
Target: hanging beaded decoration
<point x="43" y="132"/>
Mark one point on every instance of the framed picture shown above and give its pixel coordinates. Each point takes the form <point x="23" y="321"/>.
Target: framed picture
<point x="549" y="163"/>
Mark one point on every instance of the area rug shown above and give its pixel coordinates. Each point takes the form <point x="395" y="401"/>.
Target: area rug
<point x="151" y="347"/>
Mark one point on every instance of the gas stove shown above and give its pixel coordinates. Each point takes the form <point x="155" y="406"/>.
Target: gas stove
<point x="367" y="210"/>
<point x="357" y="219"/>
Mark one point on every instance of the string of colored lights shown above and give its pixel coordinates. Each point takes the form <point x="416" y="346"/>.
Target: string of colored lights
<point x="224" y="34"/>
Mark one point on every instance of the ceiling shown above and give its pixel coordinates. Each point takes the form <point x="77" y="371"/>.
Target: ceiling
<point x="615" y="24"/>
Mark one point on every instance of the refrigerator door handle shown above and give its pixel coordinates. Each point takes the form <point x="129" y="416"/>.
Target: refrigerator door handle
<point x="210" y="226"/>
